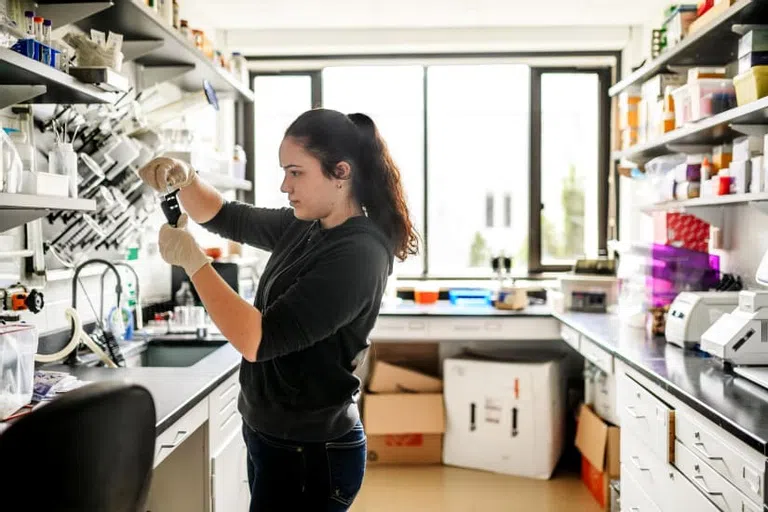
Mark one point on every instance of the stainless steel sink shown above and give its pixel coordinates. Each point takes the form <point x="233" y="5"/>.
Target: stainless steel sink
<point x="173" y="353"/>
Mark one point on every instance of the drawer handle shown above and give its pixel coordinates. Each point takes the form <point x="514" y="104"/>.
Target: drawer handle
<point x="700" y="448"/>
<point x="179" y="438"/>
<point x="466" y="328"/>
<point x="705" y="488"/>
<point x="416" y="325"/>
<point x="636" y="463"/>
<point x="631" y="410"/>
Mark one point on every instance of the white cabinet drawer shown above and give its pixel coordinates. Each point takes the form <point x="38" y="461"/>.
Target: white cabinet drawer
<point x="715" y="487"/>
<point x="400" y="328"/>
<point x="662" y="482"/>
<point x="180" y="431"/>
<point x="647" y="417"/>
<point x="744" y="470"/>
<point x="596" y="355"/>
<point x="646" y="469"/>
<point x="570" y="336"/>
<point x="223" y="416"/>
<point x="467" y="328"/>
<point x="633" y="499"/>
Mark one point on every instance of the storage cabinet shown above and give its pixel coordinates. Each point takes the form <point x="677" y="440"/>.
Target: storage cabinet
<point x="229" y="477"/>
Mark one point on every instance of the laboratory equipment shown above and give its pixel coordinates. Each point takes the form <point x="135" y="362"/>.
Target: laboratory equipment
<point x="171" y="207"/>
<point x="692" y="313"/>
<point x="741" y="337"/>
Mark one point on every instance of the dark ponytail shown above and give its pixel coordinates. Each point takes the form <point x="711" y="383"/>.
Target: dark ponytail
<point x="333" y="137"/>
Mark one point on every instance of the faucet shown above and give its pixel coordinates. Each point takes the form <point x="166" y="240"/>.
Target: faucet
<point x="73" y="359"/>
<point x="139" y="314"/>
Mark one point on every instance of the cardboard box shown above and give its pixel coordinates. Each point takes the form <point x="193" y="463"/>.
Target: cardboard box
<point x="709" y="16"/>
<point x="388" y="378"/>
<point x="598" y="443"/>
<point x="506" y="417"/>
<point x="405" y="449"/>
<point x="681" y="230"/>
<point x="404" y="428"/>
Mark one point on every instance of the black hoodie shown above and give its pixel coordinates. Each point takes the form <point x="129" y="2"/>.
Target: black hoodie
<point x="319" y="295"/>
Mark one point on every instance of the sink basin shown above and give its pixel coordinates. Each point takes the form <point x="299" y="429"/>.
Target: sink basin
<point x="175" y="354"/>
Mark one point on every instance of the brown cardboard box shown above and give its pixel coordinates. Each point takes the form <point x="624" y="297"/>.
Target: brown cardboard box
<point x="404" y="428"/>
<point x="388" y="378"/>
<point x="598" y="443"/>
<point x="404" y="413"/>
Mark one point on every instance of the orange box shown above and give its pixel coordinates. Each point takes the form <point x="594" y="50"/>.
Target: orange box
<point x="599" y="444"/>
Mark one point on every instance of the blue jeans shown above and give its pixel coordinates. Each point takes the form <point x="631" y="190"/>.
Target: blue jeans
<point x="286" y="475"/>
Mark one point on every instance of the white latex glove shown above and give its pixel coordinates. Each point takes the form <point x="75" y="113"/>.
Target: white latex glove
<point x="178" y="247"/>
<point x="167" y="174"/>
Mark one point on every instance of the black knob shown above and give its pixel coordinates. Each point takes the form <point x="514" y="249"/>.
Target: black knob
<point x="35" y="301"/>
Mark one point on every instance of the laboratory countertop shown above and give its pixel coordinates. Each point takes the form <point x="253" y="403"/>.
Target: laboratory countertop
<point x="174" y="390"/>
<point x="733" y="403"/>
<point x="444" y="308"/>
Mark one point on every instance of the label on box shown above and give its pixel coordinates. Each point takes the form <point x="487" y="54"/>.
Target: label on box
<point x="409" y="440"/>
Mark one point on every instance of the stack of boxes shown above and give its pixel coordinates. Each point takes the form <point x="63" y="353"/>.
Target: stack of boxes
<point x="752" y="81"/>
<point x="737" y="168"/>
<point x="629" y="116"/>
<point x="404" y="416"/>
<point x="657" y="110"/>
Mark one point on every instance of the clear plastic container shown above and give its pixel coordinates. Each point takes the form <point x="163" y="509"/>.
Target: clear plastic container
<point x="711" y="96"/>
<point x="682" y="99"/>
<point x="18" y="345"/>
<point x="10" y="165"/>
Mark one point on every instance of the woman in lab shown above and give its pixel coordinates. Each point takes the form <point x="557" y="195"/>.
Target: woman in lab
<point x="316" y="303"/>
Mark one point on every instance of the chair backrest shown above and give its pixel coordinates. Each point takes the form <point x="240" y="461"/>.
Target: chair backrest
<point x="91" y="449"/>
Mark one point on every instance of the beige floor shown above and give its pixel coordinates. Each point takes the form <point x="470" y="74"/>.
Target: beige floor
<point x="441" y="488"/>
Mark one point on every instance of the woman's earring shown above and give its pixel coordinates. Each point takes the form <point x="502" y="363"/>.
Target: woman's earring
<point x="338" y="186"/>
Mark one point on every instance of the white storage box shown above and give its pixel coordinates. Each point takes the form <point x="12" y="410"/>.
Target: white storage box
<point x="44" y="184"/>
<point x="505" y="417"/>
<point x="18" y="345"/>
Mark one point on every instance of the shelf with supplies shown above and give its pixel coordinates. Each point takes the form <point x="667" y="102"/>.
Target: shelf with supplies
<point x="713" y="45"/>
<point x="713" y="130"/>
<point x="712" y="209"/>
<point x="18" y="209"/>
<point x="224" y="182"/>
<point x="24" y="80"/>
<point x="163" y="53"/>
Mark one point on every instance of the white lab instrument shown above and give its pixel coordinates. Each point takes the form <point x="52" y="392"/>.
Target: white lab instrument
<point x="692" y="313"/>
<point x="741" y="337"/>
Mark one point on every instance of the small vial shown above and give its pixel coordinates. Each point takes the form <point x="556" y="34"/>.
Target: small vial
<point x="47" y="26"/>
<point x="29" y="19"/>
<point x="38" y="28"/>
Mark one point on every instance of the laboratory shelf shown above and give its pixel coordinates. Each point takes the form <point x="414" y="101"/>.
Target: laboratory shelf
<point x="759" y="199"/>
<point x="161" y="51"/>
<point x="25" y="80"/>
<point x="709" y="131"/>
<point x="18" y="209"/>
<point x="714" y="45"/>
<point x="225" y="183"/>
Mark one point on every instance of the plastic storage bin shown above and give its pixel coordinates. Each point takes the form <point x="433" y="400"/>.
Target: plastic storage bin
<point x="703" y="98"/>
<point x="682" y="98"/>
<point x="18" y="345"/>
<point x="752" y="85"/>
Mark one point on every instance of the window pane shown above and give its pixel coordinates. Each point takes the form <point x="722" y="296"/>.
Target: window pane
<point x="570" y="114"/>
<point x="477" y="128"/>
<point x="278" y="101"/>
<point x="393" y="96"/>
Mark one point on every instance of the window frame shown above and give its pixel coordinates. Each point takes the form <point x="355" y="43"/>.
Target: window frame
<point x="606" y="77"/>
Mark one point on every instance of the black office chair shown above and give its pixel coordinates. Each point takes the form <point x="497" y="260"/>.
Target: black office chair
<point x="91" y="449"/>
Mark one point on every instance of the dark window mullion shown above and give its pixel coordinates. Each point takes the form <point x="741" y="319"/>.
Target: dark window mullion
<point x="425" y="235"/>
<point x="534" y="159"/>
